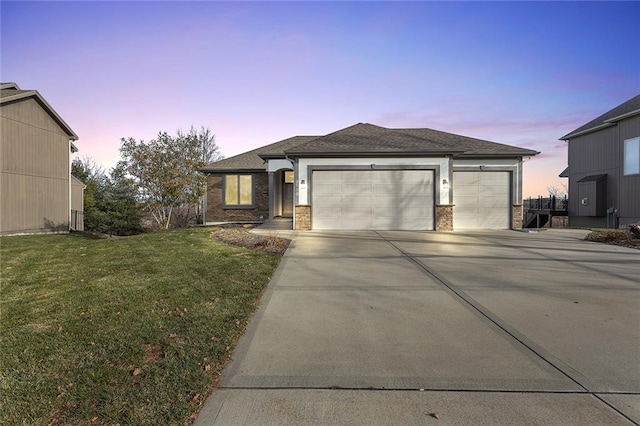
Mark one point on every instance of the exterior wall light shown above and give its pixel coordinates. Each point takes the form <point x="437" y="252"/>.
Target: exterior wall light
<point x="445" y="184"/>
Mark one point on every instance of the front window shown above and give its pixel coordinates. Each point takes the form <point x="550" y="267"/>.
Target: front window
<point x="632" y="156"/>
<point x="238" y="190"/>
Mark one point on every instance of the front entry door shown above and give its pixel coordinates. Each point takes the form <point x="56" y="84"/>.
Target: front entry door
<point x="287" y="194"/>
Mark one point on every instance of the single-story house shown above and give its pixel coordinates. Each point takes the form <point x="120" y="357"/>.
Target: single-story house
<point x="367" y="177"/>
<point x="604" y="168"/>
<point x="36" y="144"/>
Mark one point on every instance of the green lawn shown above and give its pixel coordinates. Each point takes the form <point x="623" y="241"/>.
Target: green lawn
<point x="129" y="330"/>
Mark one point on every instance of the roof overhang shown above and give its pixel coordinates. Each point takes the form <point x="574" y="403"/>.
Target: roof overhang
<point x="585" y="131"/>
<point x="266" y="157"/>
<point x="226" y="171"/>
<point x="565" y="173"/>
<point x="514" y="155"/>
<point x="352" y="154"/>
<point x="593" y="178"/>
<point x="623" y="116"/>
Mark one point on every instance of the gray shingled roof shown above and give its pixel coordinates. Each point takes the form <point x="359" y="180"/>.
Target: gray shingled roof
<point x="630" y="106"/>
<point x="251" y="160"/>
<point x="366" y="138"/>
<point x="369" y="139"/>
<point x="469" y="146"/>
<point x="5" y="93"/>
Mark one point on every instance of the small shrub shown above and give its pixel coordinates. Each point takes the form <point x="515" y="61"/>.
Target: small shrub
<point x="634" y="231"/>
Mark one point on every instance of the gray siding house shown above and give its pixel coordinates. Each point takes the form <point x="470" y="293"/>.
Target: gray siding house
<point x="604" y="169"/>
<point x="367" y="177"/>
<point x="35" y="157"/>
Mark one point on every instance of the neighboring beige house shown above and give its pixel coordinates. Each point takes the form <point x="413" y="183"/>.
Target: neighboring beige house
<point x="35" y="162"/>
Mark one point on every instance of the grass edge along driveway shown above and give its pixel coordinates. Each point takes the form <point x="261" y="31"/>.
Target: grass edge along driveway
<point x="131" y="330"/>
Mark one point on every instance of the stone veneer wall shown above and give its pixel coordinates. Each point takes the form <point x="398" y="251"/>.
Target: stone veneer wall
<point x="516" y="222"/>
<point x="217" y="213"/>
<point x="444" y="217"/>
<point x="303" y="217"/>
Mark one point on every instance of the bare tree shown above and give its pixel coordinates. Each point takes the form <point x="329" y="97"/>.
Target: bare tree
<point x="210" y="150"/>
<point x="561" y="192"/>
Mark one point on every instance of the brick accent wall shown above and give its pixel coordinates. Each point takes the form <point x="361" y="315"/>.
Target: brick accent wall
<point x="516" y="222"/>
<point x="303" y="217"/>
<point x="217" y="213"/>
<point x="444" y="217"/>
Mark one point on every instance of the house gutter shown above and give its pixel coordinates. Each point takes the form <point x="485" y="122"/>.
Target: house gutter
<point x="623" y="116"/>
<point x="584" y="132"/>
<point x="343" y="154"/>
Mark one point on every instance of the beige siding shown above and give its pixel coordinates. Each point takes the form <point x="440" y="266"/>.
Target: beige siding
<point x="34" y="162"/>
<point x="33" y="204"/>
<point x="77" y="194"/>
<point x="30" y="111"/>
<point x="32" y="148"/>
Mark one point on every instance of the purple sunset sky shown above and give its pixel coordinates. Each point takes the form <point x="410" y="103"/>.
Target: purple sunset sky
<point x="520" y="73"/>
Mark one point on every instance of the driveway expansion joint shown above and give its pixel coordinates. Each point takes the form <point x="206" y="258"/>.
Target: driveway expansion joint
<point x="505" y="328"/>
<point x="487" y="314"/>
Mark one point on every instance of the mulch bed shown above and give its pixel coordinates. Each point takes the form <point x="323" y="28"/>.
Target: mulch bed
<point x="618" y="238"/>
<point x="240" y="236"/>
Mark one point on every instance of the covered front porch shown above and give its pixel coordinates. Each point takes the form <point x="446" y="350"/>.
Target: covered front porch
<point x="281" y="194"/>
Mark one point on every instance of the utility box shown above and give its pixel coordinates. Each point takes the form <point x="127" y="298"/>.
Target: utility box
<point x="592" y="196"/>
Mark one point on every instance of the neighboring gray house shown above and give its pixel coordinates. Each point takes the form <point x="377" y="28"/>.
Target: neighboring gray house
<point x="35" y="158"/>
<point x="367" y="177"/>
<point x="604" y="169"/>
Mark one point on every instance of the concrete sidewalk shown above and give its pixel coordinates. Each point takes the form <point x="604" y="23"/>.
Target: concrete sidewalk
<point x="401" y="328"/>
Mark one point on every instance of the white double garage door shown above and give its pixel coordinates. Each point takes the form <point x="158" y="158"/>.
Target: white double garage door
<point x="405" y="200"/>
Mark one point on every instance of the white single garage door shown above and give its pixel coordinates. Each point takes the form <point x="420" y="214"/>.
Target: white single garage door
<point x="372" y="199"/>
<point x="482" y="200"/>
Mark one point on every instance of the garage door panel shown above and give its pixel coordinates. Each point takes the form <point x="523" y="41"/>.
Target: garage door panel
<point x="356" y="189"/>
<point x="354" y="176"/>
<point x="500" y="190"/>
<point x="492" y="201"/>
<point x="418" y="189"/>
<point x="423" y="212"/>
<point x="465" y="201"/>
<point x="326" y="189"/>
<point x="325" y="210"/>
<point x="466" y="190"/>
<point x="353" y="210"/>
<point x="373" y="199"/>
<point x="482" y="200"/>
<point x="384" y="176"/>
<point x="385" y="188"/>
<point x="356" y="200"/>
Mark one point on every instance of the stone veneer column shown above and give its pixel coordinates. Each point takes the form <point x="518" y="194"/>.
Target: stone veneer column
<point x="516" y="222"/>
<point x="444" y="217"/>
<point x="303" y="217"/>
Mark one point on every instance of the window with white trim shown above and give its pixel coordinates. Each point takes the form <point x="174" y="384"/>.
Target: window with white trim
<point x="238" y="191"/>
<point x="632" y="156"/>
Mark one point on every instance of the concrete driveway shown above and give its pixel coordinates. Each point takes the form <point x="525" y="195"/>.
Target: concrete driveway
<point x="450" y="328"/>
